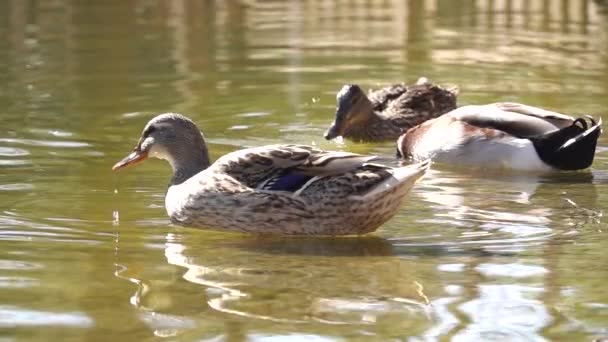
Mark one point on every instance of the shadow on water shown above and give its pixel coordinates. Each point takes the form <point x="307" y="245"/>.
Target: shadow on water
<point x="325" y="246"/>
<point x="368" y="246"/>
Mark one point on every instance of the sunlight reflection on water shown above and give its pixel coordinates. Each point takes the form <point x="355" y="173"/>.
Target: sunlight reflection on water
<point x="471" y="256"/>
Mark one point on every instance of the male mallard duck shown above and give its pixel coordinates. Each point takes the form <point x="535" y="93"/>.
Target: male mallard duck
<point x="504" y="135"/>
<point x="286" y="189"/>
<point x="386" y="113"/>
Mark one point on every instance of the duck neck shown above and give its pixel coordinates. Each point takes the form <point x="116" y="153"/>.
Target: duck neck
<point x="185" y="168"/>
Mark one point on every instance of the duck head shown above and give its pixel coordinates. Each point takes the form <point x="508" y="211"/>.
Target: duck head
<point x="174" y="138"/>
<point x="353" y="108"/>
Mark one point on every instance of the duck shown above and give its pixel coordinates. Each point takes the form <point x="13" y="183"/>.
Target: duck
<point x="274" y="189"/>
<point x="504" y="135"/>
<point x="385" y="114"/>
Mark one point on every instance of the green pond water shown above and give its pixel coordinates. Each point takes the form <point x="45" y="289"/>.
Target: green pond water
<point x="89" y="255"/>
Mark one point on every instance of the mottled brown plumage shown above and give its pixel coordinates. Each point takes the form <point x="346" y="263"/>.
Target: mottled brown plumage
<point x="284" y="189"/>
<point x="386" y="113"/>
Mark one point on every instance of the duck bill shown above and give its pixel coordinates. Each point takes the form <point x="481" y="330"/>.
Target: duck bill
<point x="132" y="159"/>
<point x="335" y="130"/>
<point x="331" y="133"/>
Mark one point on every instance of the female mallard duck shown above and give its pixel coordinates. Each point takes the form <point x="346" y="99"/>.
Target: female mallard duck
<point x="504" y="135"/>
<point x="386" y="113"/>
<point x="285" y="189"/>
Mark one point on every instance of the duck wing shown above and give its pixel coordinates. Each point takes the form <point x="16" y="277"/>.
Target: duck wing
<point x="286" y="167"/>
<point x="533" y="111"/>
<point x="365" y="182"/>
<point x="421" y="102"/>
<point x="516" y="119"/>
<point x="382" y="98"/>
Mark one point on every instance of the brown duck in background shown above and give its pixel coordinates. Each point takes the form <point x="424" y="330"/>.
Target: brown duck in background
<point x="385" y="114"/>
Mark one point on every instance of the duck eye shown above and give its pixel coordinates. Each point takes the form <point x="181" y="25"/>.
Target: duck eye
<point x="149" y="131"/>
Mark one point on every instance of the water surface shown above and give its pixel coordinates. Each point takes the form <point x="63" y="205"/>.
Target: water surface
<point x="88" y="255"/>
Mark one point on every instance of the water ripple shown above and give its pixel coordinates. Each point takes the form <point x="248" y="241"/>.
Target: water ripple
<point x="17" y="282"/>
<point x="46" y="143"/>
<point x="511" y="270"/>
<point x="18" y="265"/>
<point x="54" y="132"/>
<point x="18" y="228"/>
<point x="521" y="318"/>
<point x="12" y="152"/>
<point x="14" y="162"/>
<point x="16" y="187"/>
<point x="166" y="325"/>
<point x="12" y="317"/>
<point x="253" y="114"/>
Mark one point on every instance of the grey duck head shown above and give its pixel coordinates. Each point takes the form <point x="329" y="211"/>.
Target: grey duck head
<point x="353" y="107"/>
<point x="174" y="138"/>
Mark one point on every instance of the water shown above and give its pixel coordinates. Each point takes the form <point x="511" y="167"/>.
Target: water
<point x="89" y="255"/>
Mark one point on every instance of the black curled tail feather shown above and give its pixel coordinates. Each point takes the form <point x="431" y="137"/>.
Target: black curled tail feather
<point x="572" y="147"/>
<point x="595" y="129"/>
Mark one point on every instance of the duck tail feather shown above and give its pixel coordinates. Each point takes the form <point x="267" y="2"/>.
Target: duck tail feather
<point x="413" y="172"/>
<point x="403" y="178"/>
<point x="589" y="135"/>
<point x="572" y="147"/>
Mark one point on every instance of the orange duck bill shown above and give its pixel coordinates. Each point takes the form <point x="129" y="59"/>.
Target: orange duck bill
<point x="133" y="158"/>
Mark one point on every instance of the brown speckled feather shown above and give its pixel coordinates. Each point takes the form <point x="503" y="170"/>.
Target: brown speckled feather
<point x="420" y="103"/>
<point x="281" y="189"/>
<point x="394" y="110"/>
<point x="253" y="166"/>
<point x="383" y="97"/>
<point x="345" y="194"/>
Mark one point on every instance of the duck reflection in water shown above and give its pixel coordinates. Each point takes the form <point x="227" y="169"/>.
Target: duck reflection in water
<point x="340" y="280"/>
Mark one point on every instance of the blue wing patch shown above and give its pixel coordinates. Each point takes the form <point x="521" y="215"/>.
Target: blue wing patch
<point x="287" y="180"/>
